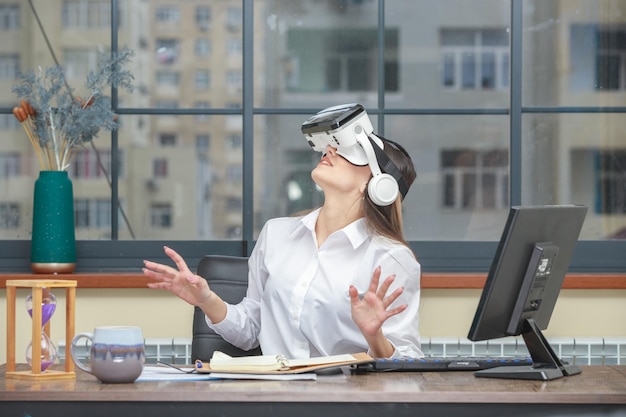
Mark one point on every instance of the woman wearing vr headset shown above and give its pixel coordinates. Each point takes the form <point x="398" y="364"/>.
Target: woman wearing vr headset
<point x="339" y="279"/>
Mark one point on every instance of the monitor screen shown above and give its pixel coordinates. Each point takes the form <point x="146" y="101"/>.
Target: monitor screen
<point x="523" y="285"/>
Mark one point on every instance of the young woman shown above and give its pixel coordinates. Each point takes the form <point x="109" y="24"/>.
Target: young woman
<point x="315" y="282"/>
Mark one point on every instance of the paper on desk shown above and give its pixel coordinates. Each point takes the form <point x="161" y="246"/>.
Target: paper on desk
<point x="270" y="377"/>
<point x="162" y="373"/>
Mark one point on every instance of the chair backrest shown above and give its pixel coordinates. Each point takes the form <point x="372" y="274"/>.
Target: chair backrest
<point x="228" y="277"/>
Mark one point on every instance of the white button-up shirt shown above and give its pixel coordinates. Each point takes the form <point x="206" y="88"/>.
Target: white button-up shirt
<point x="297" y="302"/>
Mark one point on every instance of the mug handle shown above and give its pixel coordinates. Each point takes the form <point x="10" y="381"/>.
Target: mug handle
<point x="75" y="358"/>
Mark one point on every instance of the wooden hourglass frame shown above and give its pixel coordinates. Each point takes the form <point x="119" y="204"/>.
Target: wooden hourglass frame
<point x="37" y="286"/>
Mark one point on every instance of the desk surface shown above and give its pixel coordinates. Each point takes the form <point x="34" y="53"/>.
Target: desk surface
<point x="597" y="390"/>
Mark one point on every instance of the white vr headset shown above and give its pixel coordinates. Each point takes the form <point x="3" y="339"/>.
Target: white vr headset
<point x="348" y="129"/>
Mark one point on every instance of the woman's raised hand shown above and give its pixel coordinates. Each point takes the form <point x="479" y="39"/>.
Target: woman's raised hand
<point x="180" y="280"/>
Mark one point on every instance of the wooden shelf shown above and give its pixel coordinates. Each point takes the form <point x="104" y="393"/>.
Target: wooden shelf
<point x="429" y="280"/>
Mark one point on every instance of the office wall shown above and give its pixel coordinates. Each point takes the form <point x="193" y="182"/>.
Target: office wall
<point x="443" y="313"/>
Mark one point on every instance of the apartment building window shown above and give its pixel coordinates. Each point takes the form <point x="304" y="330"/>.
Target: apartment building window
<point x="203" y="18"/>
<point x="9" y="66"/>
<point x="203" y="142"/>
<point x="10" y="164"/>
<point x="159" y="168"/>
<point x="8" y="122"/>
<point x="9" y="216"/>
<point x="167" y="14"/>
<point x="86" y="14"/>
<point x="9" y="17"/>
<point x="161" y="215"/>
<point x="610" y="60"/>
<point x="92" y="213"/>
<point x="611" y="180"/>
<point x="202" y="48"/>
<point x="171" y="78"/>
<point x="234" y="173"/>
<point x="202" y="79"/>
<point x="167" y="51"/>
<point x="79" y="62"/>
<point x="202" y="105"/>
<point x="234" y="18"/>
<point x="85" y="164"/>
<point x="475" y="59"/>
<point x="168" y="139"/>
<point x="234" y="79"/>
<point x="475" y="180"/>
<point x="346" y="59"/>
<point x="234" y="47"/>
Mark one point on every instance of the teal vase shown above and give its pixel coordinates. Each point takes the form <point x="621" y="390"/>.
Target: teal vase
<point x="53" y="242"/>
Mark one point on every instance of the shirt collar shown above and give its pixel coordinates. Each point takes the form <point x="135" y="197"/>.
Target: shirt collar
<point x="356" y="232"/>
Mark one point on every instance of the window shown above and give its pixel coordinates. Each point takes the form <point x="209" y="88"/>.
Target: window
<point x="611" y="173"/>
<point x="9" y="66"/>
<point x="167" y="14"/>
<point x="10" y="165"/>
<point x="475" y="179"/>
<point x="203" y="142"/>
<point x="474" y="59"/>
<point x="161" y="215"/>
<point x="86" y="165"/>
<point x="202" y="48"/>
<point x="346" y="59"/>
<point x="78" y="62"/>
<point x="234" y="47"/>
<point x="202" y="79"/>
<point x="167" y="51"/>
<point x="447" y="93"/>
<point x="159" y="168"/>
<point x="85" y="15"/>
<point x="92" y="213"/>
<point x="9" y="17"/>
<point x="203" y="18"/>
<point x="167" y="139"/>
<point x="610" y="59"/>
<point x="9" y="216"/>
<point x="171" y="78"/>
<point x="233" y="18"/>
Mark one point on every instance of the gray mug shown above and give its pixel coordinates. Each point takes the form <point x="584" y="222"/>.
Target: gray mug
<point x="117" y="353"/>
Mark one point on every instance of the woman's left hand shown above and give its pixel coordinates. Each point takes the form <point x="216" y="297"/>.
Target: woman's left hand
<point x="372" y="310"/>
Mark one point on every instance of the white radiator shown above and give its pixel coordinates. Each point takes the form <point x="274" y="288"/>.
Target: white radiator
<point x="575" y="350"/>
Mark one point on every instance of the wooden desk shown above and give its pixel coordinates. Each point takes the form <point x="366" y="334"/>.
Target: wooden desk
<point x="598" y="391"/>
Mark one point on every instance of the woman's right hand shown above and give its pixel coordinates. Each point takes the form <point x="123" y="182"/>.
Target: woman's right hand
<point x="180" y="281"/>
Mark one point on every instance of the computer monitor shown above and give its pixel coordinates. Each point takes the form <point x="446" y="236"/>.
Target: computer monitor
<point x="523" y="285"/>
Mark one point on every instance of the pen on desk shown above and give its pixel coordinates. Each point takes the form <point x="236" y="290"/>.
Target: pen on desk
<point x="187" y="371"/>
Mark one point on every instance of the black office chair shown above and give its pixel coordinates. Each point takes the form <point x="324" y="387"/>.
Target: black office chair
<point x="228" y="277"/>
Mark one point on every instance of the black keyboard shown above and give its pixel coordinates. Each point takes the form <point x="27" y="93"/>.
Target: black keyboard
<point x="474" y="363"/>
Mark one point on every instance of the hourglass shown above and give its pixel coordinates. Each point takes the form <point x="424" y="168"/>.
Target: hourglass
<point x="47" y="350"/>
<point x="41" y="305"/>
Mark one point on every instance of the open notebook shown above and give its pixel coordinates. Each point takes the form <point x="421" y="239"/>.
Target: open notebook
<point x="277" y="364"/>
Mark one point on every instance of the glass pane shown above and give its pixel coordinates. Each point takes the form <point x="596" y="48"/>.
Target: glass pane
<point x="316" y="54"/>
<point x="187" y="186"/>
<point x="446" y="61"/>
<point x="282" y="170"/>
<point x="568" y="159"/>
<point x="574" y="52"/>
<point x="452" y="199"/>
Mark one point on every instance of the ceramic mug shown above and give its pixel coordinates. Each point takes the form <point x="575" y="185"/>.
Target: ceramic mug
<point x="117" y="353"/>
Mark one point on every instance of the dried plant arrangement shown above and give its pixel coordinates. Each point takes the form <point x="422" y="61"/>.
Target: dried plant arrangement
<point x="56" y="120"/>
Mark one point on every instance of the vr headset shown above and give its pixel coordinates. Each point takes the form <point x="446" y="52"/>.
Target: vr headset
<point x="348" y="128"/>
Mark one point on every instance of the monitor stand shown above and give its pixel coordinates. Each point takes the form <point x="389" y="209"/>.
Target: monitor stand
<point x="546" y="364"/>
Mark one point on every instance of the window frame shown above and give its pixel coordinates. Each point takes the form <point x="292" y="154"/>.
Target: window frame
<point x="435" y="256"/>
